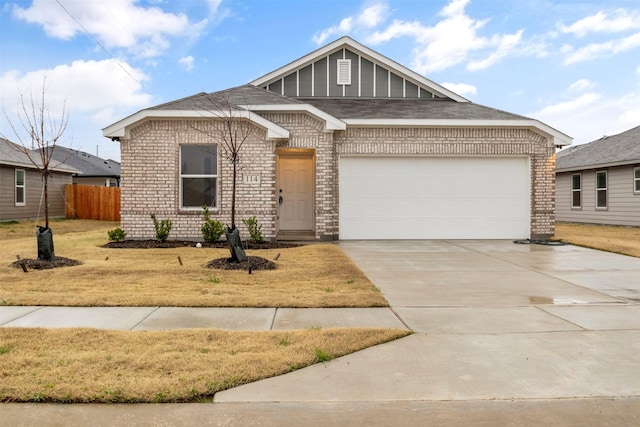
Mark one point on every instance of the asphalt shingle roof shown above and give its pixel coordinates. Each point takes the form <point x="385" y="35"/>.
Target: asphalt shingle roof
<point x="87" y="164"/>
<point x="431" y="108"/>
<point x="11" y="155"/>
<point x="616" y="150"/>
<point x="241" y="95"/>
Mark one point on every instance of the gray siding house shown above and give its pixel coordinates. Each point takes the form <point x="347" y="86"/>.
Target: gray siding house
<point x="21" y="186"/>
<point x="343" y="143"/>
<point x="599" y="182"/>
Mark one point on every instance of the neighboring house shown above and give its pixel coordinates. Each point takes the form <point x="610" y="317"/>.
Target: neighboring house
<point x="599" y="182"/>
<point x="346" y="144"/>
<point x="93" y="169"/>
<point x="21" y="186"/>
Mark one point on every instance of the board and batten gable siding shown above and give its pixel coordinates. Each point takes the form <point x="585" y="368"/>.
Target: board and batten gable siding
<point x="150" y="180"/>
<point x="369" y="79"/>
<point x="33" y="184"/>
<point x="623" y="205"/>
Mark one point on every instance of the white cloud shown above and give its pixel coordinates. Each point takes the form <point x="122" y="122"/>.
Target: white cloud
<point x="186" y="62"/>
<point x="581" y="85"/>
<point x="621" y="20"/>
<point x="462" y="89"/>
<point x="96" y="94"/>
<point x="143" y="31"/>
<point x="590" y="116"/>
<point x="452" y="40"/>
<point x="369" y="17"/>
<point x="602" y="50"/>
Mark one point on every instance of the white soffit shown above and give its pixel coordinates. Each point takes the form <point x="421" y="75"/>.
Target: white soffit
<point x="120" y="129"/>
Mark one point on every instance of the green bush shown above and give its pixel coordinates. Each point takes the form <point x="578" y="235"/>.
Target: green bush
<point x="255" y="229"/>
<point x="163" y="228"/>
<point x="116" y="235"/>
<point x="211" y="229"/>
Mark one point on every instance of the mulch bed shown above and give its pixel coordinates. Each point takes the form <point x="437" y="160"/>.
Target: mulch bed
<point x="253" y="262"/>
<point x="39" y="264"/>
<point x="154" y="244"/>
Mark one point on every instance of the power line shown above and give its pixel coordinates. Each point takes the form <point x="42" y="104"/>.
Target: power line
<point x="99" y="44"/>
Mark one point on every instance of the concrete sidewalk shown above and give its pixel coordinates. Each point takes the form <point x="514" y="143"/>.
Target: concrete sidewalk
<point x="229" y="318"/>
<point x="505" y="334"/>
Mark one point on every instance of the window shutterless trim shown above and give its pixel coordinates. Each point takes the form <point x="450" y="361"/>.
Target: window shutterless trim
<point x="636" y="180"/>
<point x="602" y="189"/>
<point x="577" y="190"/>
<point x="22" y="187"/>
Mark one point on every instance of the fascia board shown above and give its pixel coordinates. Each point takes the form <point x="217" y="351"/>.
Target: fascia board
<point x="348" y="41"/>
<point x="330" y="122"/>
<point x="559" y="138"/>
<point x="120" y="129"/>
<point x="597" y="166"/>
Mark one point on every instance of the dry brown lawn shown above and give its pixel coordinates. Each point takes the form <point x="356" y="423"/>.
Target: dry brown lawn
<point x="315" y="275"/>
<point x="89" y="365"/>
<point x="621" y="240"/>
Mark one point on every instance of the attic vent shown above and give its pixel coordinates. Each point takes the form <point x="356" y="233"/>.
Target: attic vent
<point x="344" y="71"/>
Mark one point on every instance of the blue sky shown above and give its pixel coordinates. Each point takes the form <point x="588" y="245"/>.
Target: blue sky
<point x="572" y="64"/>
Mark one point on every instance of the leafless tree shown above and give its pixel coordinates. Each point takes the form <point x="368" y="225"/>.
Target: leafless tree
<point x="38" y="132"/>
<point x="232" y="131"/>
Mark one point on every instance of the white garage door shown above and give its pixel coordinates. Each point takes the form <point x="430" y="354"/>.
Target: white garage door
<point x="434" y="198"/>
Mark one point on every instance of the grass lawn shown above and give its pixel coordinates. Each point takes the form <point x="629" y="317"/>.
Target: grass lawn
<point x="621" y="240"/>
<point x="88" y="365"/>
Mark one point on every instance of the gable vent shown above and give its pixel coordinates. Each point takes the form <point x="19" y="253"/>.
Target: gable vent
<point x="344" y="71"/>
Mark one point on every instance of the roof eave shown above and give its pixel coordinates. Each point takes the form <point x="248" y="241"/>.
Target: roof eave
<point x="598" y="166"/>
<point x="559" y="139"/>
<point x="121" y="128"/>
<point x="330" y="122"/>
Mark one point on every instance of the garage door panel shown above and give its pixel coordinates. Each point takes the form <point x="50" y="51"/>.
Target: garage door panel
<point x="429" y="197"/>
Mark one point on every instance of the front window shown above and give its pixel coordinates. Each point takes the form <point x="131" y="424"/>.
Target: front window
<point x="576" y="190"/>
<point x="20" y="188"/>
<point x="636" y="180"/>
<point x="198" y="175"/>
<point x="601" y="189"/>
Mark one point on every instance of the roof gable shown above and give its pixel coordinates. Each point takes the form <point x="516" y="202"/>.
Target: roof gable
<point x="617" y="150"/>
<point x="348" y="69"/>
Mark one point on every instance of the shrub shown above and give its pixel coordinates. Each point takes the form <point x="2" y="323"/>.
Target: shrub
<point x="163" y="228"/>
<point x="255" y="229"/>
<point x="211" y="229"/>
<point x="116" y="235"/>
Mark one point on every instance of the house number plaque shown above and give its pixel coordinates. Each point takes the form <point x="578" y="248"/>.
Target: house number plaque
<point x="251" y="179"/>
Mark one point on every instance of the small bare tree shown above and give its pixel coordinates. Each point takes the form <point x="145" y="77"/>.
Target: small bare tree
<point x="231" y="133"/>
<point x="38" y="134"/>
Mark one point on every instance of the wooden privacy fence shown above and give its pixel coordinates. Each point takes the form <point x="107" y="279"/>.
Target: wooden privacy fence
<point x="93" y="202"/>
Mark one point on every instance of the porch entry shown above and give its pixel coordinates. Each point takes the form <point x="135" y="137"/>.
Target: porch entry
<point x="295" y="190"/>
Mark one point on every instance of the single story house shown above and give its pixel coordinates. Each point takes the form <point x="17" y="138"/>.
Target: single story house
<point x="21" y="186"/>
<point x="343" y="143"/>
<point x="599" y="182"/>
<point x="93" y="170"/>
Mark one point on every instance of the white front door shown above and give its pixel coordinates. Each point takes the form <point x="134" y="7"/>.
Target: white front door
<point x="295" y="191"/>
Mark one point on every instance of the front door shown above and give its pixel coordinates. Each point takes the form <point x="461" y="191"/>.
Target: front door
<point x="295" y="190"/>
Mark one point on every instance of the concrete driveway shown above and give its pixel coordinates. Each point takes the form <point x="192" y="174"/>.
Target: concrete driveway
<point x="494" y="320"/>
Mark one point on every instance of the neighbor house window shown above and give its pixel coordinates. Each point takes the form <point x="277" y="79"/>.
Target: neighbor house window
<point x="198" y="175"/>
<point x="576" y="190"/>
<point x="20" y="188"/>
<point x="636" y="180"/>
<point x="601" y="189"/>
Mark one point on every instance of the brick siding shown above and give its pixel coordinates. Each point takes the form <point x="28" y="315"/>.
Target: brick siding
<point x="150" y="169"/>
